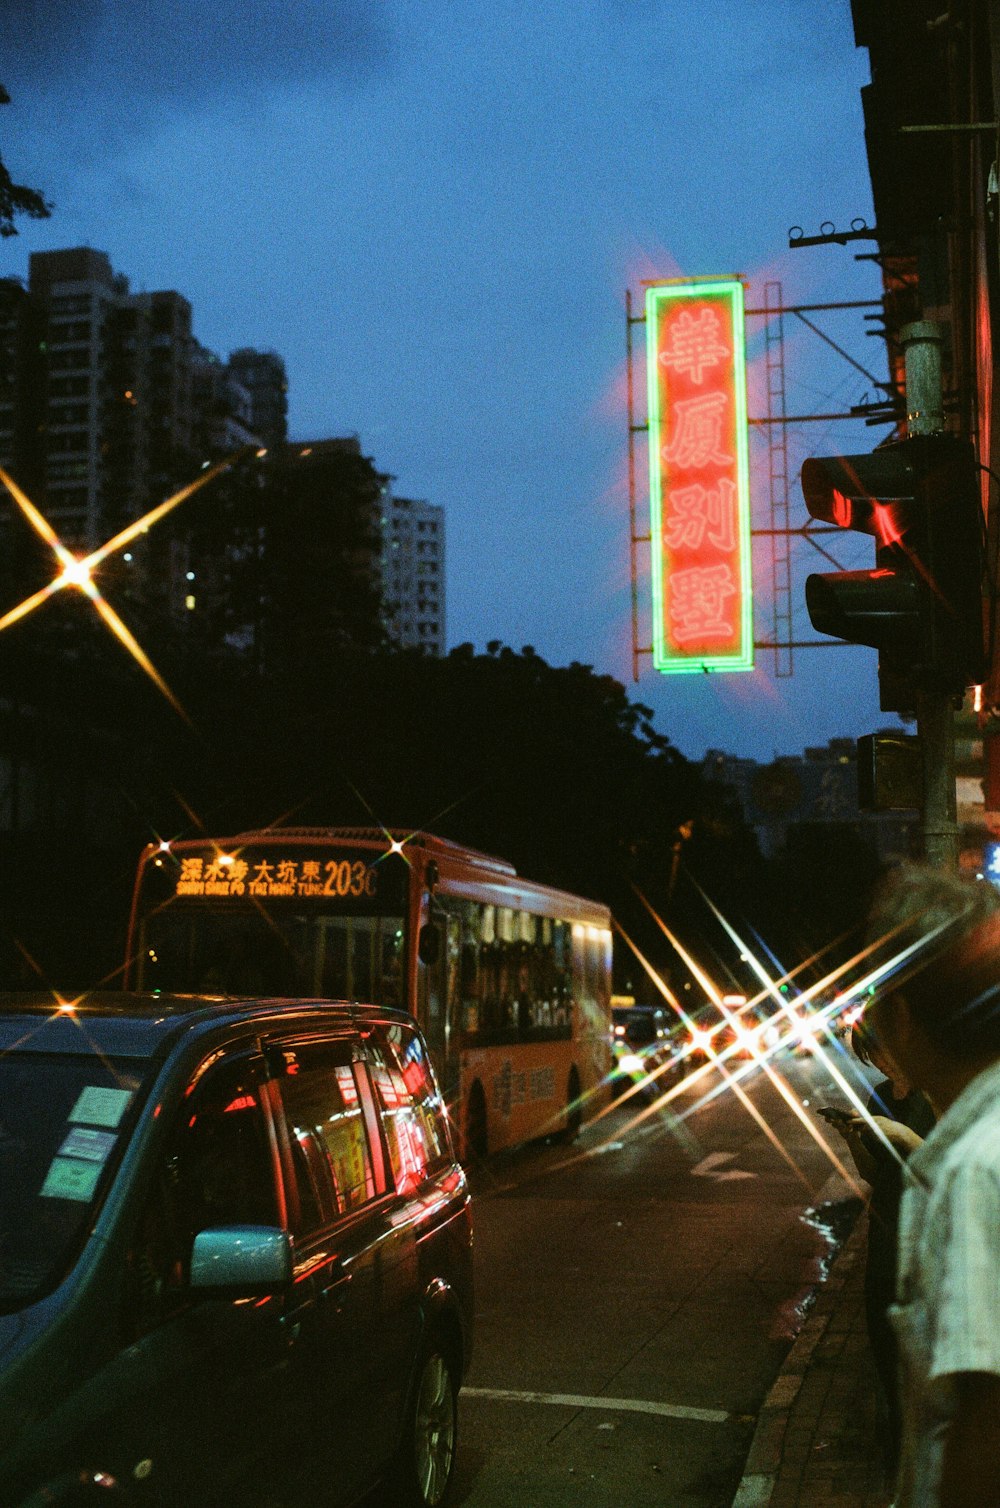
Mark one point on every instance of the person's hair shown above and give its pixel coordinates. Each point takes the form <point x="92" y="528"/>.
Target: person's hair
<point x="945" y="930"/>
<point x="863" y="1039"/>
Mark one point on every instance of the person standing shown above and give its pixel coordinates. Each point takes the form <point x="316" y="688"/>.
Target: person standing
<point x="939" y="1020"/>
<point x="904" y="1117"/>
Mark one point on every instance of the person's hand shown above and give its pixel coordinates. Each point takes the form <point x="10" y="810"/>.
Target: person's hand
<point x="853" y="1132"/>
<point x="897" y="1135"/>
<point x="867" y="1147"/>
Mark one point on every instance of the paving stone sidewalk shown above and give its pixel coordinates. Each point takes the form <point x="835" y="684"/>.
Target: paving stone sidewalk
<point x="815" y="1443"/>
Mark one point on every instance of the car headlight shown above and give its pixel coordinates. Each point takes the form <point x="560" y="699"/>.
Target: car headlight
<point x="630" y="1062"/>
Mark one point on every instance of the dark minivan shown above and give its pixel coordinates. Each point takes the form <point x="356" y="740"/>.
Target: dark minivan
<point x="235" y="1255"/>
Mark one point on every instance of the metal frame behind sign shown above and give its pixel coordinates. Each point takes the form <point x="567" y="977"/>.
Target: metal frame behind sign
<point x="699" y="488"/>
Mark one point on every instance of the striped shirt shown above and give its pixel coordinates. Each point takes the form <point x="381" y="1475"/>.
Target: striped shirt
<point x="947" y="1314"/>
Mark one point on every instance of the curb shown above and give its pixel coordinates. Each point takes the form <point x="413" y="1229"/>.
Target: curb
<point x="763" y="1464"/>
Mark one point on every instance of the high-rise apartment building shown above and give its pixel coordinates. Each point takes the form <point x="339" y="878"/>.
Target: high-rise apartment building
<point x="413" y="572"/>
<point x="107" y="401"/>
<point x="98" y="411"/>
<point x="262" y="375"/>
<point x="108" y="404"/>
<point x="20" y="384"/>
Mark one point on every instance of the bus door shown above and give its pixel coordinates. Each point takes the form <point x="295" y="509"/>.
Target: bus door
<point x="438" y="1001"/>
<point x="359" y="958"/>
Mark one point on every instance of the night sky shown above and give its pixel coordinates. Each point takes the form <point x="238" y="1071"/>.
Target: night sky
<point x="432" y="210"/>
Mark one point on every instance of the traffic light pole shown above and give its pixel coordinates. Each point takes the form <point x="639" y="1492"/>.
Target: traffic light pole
<point x="935" y="710"/>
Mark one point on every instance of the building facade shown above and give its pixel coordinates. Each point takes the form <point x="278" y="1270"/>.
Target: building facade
<point x="815" y="789"/>
<point x="107" y="400"/>
<point x="262" y="376"/>
<point x="413" y="573"/>
<point x="933" y="144"/>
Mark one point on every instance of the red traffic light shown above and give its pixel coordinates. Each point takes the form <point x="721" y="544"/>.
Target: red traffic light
<point x="846" y="490"/>
<point x="922" y="605"/>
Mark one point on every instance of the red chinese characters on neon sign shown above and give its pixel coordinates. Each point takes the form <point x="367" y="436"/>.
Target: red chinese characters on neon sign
<point x="698" y="477"/>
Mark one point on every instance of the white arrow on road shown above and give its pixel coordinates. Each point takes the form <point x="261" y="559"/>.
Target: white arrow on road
<point x="709" y="1166"/>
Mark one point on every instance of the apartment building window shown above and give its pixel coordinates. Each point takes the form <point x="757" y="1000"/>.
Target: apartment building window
<point x="74" y="386"/>
<point x="68" y="440"/>
<point x="66" y="334"/>
<point x="68" y="359"/>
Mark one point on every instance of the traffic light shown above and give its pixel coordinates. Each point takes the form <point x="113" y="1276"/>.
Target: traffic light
<point x="921" y="607"/>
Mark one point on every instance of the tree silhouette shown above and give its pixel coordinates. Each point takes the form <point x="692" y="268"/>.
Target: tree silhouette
<point x="17" y="198"/>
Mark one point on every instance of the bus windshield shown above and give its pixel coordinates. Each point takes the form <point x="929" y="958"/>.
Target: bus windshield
<point x="283" y="919"/>
<point x="251" y="951"/>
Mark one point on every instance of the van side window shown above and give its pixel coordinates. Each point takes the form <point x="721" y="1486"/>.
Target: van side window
<point x="217" y="1169"/>
<point x="413" y="1113"/>
<point x="326" y="1127"/>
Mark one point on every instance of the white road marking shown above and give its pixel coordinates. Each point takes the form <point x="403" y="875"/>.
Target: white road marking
<point x="613" y="1405"/>
<point x="709" y="1167"/>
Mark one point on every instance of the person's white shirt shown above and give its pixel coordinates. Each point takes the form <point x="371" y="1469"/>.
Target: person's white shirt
<point x="947" y="1314"/>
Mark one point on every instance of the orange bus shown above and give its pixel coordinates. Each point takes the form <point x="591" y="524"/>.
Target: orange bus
<point x="510" y="981"/>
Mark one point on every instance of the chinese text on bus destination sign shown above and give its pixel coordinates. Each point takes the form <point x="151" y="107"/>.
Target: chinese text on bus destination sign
<point x="267" y="878"/>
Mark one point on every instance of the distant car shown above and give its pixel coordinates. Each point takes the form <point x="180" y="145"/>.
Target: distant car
<point x="642" y="1048"/>
<point x="235" y="1256"/>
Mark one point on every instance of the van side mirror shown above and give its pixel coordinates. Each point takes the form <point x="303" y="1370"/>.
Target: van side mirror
<point x="429" y="943"/>
<point x="241" y="1260"/>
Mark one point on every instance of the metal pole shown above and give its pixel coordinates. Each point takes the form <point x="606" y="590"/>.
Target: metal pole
<point x="922" y="343"/>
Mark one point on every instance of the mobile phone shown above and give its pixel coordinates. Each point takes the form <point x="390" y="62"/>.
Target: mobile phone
<point x="836" y="1114"/>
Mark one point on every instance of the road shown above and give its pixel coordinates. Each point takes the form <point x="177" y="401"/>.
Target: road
<point x="636" y="1294"/>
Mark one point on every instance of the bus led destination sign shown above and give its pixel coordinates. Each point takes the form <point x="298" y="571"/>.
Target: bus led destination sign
<point x="276" y="877"/>
<point x="699" y="487"/>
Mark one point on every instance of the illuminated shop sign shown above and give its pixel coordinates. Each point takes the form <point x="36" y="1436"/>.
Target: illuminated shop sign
<point x="699" y="481"/>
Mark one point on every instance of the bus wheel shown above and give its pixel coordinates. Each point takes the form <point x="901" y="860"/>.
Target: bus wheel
<point x="574" y="1107"/>
<point x="475" y="1124"/>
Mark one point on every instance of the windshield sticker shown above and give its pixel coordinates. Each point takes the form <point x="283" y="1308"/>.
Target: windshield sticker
<point x="100" y="1107"/>
<point x="92" y="1146"/>
<point x="71" y="1178"/>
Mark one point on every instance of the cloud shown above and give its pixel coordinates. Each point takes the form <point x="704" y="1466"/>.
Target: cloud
<point x="143" y="53"/>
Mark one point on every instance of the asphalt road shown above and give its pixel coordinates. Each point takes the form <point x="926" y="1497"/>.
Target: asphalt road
<point x="636" y="1295"/>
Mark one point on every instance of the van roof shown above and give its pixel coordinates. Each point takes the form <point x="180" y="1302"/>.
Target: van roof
<point x="137" y="1025"/>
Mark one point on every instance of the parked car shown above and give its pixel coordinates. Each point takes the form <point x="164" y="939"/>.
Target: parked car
<point x="642" y="1049"/>
<point x="235" y="1255"/>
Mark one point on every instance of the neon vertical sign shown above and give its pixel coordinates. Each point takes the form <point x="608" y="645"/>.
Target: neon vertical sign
<point x="699" y="476"/>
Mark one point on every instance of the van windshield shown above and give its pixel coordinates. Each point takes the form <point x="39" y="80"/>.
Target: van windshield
<point x="61" y="1121"/>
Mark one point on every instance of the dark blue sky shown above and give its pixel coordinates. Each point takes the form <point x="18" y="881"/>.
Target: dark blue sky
<point x="432" y="211"/>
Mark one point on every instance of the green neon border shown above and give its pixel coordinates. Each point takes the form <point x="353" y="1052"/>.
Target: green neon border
<point x="671" y="663"/>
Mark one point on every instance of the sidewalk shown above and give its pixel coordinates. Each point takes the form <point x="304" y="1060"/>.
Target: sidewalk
<point x="815" y="1444"/>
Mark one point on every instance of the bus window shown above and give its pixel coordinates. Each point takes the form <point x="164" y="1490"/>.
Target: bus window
<point x="469" y="973"/>
<point x="580" y="989"/>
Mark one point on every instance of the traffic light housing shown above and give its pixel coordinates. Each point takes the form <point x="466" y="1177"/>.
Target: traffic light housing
<point x="921" y="607"/>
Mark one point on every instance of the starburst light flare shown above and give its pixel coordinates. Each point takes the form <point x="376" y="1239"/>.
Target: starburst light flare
<point x="76" y="570"/>
<point x="826" y="1015"/>
<point x="760" y="1059"/>
<point x="716" y="1061"/>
